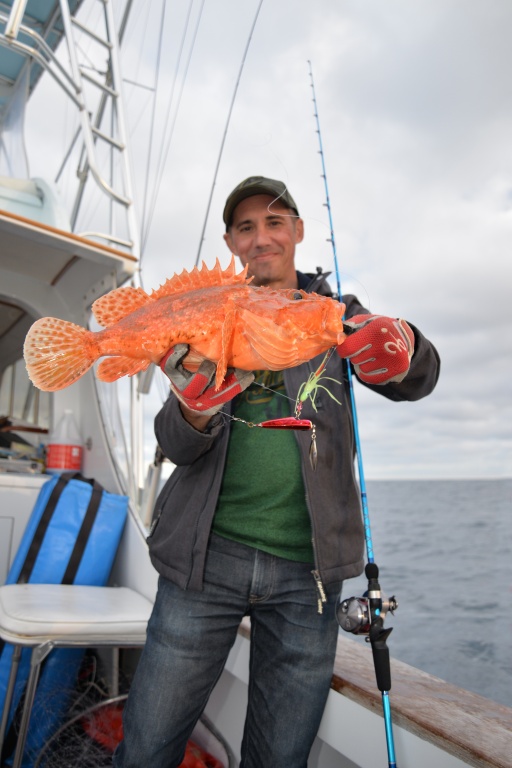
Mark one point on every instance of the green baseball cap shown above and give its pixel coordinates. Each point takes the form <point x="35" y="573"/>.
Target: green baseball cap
<point x="257" y="185"/>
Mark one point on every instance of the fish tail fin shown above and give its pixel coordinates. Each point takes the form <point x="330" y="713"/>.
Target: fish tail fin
<point x="57" y="353"/>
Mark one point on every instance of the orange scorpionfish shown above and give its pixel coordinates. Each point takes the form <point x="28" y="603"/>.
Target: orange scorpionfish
<point x="216" y="312"/>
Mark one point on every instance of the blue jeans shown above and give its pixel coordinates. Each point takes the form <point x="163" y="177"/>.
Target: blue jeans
<point x="189" y="638"/>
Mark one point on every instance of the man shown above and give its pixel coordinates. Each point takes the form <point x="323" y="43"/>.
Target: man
<point x="246" y="526"/>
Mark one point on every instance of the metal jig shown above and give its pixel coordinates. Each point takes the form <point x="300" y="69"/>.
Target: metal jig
<point x="289" y="422"/>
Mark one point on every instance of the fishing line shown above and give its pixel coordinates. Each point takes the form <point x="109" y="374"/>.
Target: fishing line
<point x="274" y="391"/>
<point x="375" y="605"/>
<point x="164" y="154"/>
<point x="140" y="22"/>
<point x="316" y="221"/>
<point x="144" y="226"/>
<point x="230" y="111"/>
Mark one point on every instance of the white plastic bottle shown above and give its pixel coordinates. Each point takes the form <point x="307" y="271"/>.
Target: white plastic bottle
<point x="64" y="450"/>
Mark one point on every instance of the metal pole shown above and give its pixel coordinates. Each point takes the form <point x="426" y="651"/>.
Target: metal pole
<point x="15" y="18"/>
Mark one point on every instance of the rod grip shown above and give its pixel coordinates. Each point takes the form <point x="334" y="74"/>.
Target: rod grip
<point x="380" y="650"/>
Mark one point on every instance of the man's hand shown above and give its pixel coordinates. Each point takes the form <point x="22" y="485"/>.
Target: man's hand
<point x="379" y="348"/>
<point x="196" y="390"/>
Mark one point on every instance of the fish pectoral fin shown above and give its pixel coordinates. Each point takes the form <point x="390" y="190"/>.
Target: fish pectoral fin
<point x="228" y="328"/>
<point x="112" y="307"/>
<point x="114" y="368"/>
<point x="271" y="342"/>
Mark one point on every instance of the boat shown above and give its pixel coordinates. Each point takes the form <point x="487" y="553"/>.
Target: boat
<point x="51" y="266"/>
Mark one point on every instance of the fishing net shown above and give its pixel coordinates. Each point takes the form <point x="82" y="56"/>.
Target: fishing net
<point x="93" y="728"/>
<point x="89" y="739"/>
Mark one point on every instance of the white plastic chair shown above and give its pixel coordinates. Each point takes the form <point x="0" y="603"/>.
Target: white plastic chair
<point x="47" y="616"/>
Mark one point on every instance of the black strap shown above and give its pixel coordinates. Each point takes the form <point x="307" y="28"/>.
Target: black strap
<point x="44" y="522"/>
<point x="83" y="534"/>
<point x="42" y="527"/>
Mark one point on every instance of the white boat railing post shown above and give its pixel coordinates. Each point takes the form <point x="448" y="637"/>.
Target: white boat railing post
<point x="15" y="17"/>
<point x="117" y="82"/>
<point x="78" y="75"/>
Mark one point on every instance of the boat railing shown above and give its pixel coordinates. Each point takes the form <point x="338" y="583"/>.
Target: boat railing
<point x="436" y="723"/>
<point x="472" y="728"/>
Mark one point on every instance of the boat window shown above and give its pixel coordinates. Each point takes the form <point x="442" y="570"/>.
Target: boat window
<point x="20" y="402"/>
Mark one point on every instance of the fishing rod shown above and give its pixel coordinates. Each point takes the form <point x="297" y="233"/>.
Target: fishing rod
<point x="363" y="615"/>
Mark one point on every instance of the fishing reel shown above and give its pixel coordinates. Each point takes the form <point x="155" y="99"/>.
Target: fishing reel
<point x="353" y="614"/>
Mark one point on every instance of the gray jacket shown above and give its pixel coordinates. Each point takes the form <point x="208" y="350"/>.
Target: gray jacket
<point x="186" y="505"/>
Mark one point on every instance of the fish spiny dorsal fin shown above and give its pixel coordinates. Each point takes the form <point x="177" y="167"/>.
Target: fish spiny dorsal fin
<point x="201" y="278"/>
<point x="118" y="303"/>
<point x="212" y="276"/>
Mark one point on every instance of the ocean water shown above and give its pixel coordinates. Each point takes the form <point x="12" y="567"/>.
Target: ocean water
<point x="444" y="548"/>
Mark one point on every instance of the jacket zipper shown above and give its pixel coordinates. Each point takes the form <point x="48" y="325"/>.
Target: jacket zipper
<point x="321" y="599"/>
<point x="321" y="591"/>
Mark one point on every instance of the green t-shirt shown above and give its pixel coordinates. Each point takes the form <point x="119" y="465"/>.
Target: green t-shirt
<point x="262" y="500"/>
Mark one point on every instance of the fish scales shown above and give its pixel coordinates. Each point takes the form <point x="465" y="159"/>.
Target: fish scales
<point x="218" y="313"/>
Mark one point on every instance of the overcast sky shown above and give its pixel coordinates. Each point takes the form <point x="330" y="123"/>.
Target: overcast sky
<point x="415" y="107"/>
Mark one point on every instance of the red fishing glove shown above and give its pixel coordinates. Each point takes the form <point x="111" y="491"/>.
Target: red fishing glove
<point x="197" y="390"/>
<point x="379" y="348"/>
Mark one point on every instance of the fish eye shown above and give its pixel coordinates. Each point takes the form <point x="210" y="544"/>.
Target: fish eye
<point x="296" y="296"/>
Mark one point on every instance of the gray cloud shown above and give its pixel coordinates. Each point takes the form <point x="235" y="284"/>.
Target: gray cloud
<point x="416" y="120"/>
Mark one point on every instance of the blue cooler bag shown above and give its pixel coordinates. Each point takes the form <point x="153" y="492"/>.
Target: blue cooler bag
<point x="71" y="538"/>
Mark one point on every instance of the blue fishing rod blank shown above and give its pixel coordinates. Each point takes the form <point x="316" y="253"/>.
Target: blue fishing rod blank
<point x="377" y="635"/>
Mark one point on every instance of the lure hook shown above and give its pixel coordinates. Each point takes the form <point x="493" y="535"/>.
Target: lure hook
<point x="309" y="388"/>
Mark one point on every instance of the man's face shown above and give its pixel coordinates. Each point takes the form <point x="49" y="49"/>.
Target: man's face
<point x="264" y="235"/>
